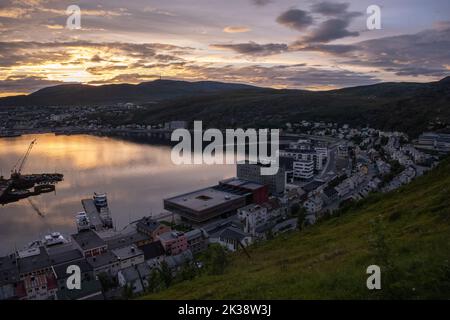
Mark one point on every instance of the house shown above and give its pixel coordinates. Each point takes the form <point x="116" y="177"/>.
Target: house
<point x="197" y="240"/>
<point x="33" y="262"/>
<point x="104" y="263"/>
<point x="91" y="288"/>
<point x="128" y="256"/>
<point x="176" y="262"/>
<point x="89" y="243"/>
<point x="151" y="228"/>
<point x="136" y="277"/>
<point x="253" y="216"/>
<point x="174" y="242"/>
<point x="232" y="238"/>
<point x="37" y="287"/>
<point x="313" y="205"/>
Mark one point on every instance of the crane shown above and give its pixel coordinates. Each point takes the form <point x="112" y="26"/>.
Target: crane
<point x="17" y="169"/>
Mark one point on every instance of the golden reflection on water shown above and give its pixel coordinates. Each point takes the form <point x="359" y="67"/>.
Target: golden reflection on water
<point x="136" y="177"/>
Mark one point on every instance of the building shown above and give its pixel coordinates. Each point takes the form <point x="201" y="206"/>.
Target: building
<point x="154" y="250"/>
<point x="304" y="169"/>
<point x="104" y="263"/>
<point x="197" y="240"/>
<point x="174" y="242"/>
<point x="173" y="125"/>
<point x="34" y="262"/>
<point x="151" y="228"/>
<point x="252" y="172"/>
<point x="253" y="216"/>
<point x="37" y="287"/>
<point x="255" y="192"/>
<point x="199" y="206"/>
<point x="91" y="288"/>
<point x="136" y="277"/>
<point x="128" y="256"/>
<point x="313" y="205"/>
<point x="232" y="238"/>
<point x="89" y="243"/>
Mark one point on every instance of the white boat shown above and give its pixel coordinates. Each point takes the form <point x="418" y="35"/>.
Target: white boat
<point x="54" y="239"/>
<point x="83" y="222"/>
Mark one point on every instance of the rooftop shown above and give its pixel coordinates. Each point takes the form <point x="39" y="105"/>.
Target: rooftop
<point x="203" y="199"/>
<point x="35" y="262"/>
<point x="88" y="240"/>
<point x="127" y="252"/>
<point x="102" y="260"/>
<point x="153" y="250"/>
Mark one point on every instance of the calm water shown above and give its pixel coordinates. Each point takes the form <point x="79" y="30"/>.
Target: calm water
<point x="136" y="177"/>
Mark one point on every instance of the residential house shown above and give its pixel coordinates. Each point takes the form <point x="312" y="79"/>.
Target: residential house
<point x="197" y="240"/>
<point x="174" y="242"/>
<point x="151" y="228"/>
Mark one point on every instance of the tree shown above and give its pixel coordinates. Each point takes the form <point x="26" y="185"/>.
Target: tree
<point x="216" y="259"/>
<point x="166" y="274"/>
<point x="155" y="281"/>
<point x="188" y="271"/>
<point x="301" y="216"/>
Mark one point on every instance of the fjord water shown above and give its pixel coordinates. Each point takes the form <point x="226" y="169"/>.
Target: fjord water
<point x="136" y="177"/>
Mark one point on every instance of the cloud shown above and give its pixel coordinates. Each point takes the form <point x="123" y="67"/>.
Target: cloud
<point x="261" y="2"/>
<point x="295" y="19"/>
<point x="253" y="49"/>
<point x="283" y="76"/>
<point x="421" y="54"/>
<point x="236" y="29"/>
<point x="330" y="30"/>
<point x="330" y="8"/>
<point x="25" y="83"/>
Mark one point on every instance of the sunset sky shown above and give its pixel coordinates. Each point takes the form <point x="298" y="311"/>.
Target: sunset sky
<point x="276" y="43"/>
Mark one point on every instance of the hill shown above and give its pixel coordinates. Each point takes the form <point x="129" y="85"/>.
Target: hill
<point x="408" y="107"/>
<point x="406" y="233"/>
<point x="79" y="94"/>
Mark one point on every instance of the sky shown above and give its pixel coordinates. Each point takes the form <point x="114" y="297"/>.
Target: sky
<point x="304" y="44"/>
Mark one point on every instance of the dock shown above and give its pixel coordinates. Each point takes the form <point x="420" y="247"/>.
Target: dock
<point x="92" y="213"/>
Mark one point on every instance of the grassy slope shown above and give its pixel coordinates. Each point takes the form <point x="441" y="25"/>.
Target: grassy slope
<point x="329" y="260"/>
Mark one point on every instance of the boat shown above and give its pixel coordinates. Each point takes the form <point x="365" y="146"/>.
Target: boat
<point x="54" y="239"/>
<point x="83" y="222"/>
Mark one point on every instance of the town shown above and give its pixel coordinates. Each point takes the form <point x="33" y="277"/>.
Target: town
<point x="324" y="167"/>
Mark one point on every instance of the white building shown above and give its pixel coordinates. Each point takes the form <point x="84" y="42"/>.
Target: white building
<point x="303" y="169"/>
<point x="313" y="205"/>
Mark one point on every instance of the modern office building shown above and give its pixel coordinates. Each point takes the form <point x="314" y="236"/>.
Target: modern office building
<point x="252" y="172"/>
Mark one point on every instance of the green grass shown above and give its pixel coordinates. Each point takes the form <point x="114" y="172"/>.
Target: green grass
<point x="329" y="260"/>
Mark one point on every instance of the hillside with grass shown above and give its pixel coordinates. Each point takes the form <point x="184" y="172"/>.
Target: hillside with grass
<point x="405" y="232"/>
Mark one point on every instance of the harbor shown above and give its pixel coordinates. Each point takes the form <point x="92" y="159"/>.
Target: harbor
<point x="20" y="186"/>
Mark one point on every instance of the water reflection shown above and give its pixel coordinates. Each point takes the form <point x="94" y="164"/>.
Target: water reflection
<point x="136" y="177"/>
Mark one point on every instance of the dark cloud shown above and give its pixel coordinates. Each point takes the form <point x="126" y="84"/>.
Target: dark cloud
<point x="254" y="49"/>
<point x="295" y="19"/>
<point x="330" y="30"/>
<point x="421" y="54"/>
<point x="330" y="8"/>
<point x="291" y="76"/>
<point x="15" y="84"/>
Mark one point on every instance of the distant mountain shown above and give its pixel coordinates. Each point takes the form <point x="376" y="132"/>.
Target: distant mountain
<point x="402" y="106"/>
<point x="79" y="94"/>
<point x="408" y="107"/>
